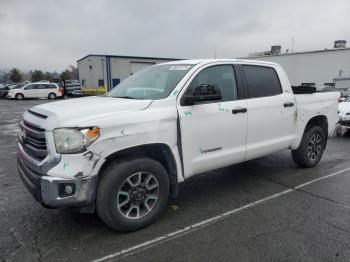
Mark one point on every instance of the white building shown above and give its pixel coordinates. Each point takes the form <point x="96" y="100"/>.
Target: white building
<point x="319" y="67"/>
<point x="107" y="71"/>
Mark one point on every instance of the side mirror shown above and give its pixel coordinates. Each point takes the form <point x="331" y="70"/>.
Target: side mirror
<point x="202" y="93"/>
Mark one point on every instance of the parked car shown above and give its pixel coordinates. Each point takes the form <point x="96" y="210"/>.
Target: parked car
<point x="344" y="113"/>
<point x="36" y="90"/>
<point x="4" y="90"/>
<point x="124" y="153"/>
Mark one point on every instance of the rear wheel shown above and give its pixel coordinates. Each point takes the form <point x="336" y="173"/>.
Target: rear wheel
<point x="311" y="148"/>
<point x="132" y="194"/>
<point x="52" y="96"/>
<point x="19" y="96"/>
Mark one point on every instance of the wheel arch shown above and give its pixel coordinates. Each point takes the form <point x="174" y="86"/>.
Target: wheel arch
<point x="319" y="120"/>
<point x="51" y="93"/>
<point x="19" y="93"/>
<point x="157" y="151"/>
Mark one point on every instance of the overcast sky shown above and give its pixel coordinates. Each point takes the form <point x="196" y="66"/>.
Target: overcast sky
<point x="52" y="34"/>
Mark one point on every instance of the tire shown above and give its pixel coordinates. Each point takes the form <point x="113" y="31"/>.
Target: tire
<point x="311" y="147"/>
<point x="52" y="96"/>
<point x="19" y="96"/>
<point x="114" y="191"/>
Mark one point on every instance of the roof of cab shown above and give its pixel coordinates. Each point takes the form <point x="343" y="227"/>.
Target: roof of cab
<point x="208" y="61"/>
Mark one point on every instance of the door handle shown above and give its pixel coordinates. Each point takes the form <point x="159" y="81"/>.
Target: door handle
<point x="239" y="110"/>
<point x="288" y="104"/>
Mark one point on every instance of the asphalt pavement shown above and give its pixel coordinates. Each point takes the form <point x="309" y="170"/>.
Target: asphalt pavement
<point x="262" y="210"/>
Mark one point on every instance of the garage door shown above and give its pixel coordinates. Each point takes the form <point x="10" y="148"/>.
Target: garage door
<point x="136" y="66"/>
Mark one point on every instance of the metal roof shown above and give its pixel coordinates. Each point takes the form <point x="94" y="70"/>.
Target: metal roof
<point x="341" y="78"/>
<point x="132" y="57"/>
<point x="304" y="52"/>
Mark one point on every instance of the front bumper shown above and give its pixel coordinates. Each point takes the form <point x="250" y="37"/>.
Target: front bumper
<point x="53" y="194"/>
<point x="50" y="190"/>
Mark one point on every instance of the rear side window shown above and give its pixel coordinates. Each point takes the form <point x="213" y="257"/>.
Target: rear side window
<point x="262" y="81"/>
<point x="50" y="86"/>
<point x="223" y="76"/>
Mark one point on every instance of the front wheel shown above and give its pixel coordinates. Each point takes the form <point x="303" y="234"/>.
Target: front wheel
<point x="19" y="97"/>
<point x="132" y="193"/>
<point x="311" y="148"/>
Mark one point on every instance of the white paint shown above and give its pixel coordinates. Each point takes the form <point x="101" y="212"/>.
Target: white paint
<point x="36" y="90"/>
<point x="212" y="136"/>
<point x="267" y="126"/>
<point x="207" y="222"/>
<point x="344" y="109"/>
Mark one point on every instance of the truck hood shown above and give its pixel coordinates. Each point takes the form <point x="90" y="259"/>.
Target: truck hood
<point x="344" y="108"/>
<point x="73" y="112"/>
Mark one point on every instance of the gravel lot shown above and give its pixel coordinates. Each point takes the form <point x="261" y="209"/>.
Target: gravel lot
<point x="308" y="223"/>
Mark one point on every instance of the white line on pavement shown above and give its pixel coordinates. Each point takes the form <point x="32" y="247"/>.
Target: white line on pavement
<point x="204" y="223"/>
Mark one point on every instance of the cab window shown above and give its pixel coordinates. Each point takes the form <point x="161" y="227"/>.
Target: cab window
<point x="262" y="81"/>
<point x="221" y="75"/>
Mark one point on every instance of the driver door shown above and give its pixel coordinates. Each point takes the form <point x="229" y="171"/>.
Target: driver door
<point x="213" y="134"/>
<point x="28" y="90"/>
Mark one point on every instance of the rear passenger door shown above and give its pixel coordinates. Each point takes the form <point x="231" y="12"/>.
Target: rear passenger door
<point x="270" y="111"/>
<point x="42" y="90"/>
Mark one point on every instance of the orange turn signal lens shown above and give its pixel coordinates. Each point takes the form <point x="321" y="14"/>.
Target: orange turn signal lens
<point x="93" y="133"/>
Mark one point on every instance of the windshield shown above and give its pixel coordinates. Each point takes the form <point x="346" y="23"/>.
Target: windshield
<point x="15" y="86"/>
<point x="347" y="99"/>
<point x="155" y="82"/>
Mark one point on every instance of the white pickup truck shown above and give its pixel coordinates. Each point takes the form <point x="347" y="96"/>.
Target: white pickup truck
<point x="123" y="154"/>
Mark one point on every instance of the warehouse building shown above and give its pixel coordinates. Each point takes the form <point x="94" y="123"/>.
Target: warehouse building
<point x="320" y="68"/>
<point x="107" y="71"/>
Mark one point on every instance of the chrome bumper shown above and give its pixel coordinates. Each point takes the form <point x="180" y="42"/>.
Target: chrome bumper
<point x="50" y="191"/>
<point x="53" y="194"/>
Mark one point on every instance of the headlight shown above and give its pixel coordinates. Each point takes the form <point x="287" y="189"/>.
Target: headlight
<point x="71" y="140"/>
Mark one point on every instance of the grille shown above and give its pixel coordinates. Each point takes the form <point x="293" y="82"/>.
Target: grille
<point x="33" y="140"/>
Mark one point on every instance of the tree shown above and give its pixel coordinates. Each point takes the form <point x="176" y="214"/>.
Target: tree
<point x="4" y="77"/>
<point x="74" y="72"/>
<point x="65" y="75"/>
<point x="37" y="75"/>
<point x="15" y="75"/>
<point x="48" y="76"/>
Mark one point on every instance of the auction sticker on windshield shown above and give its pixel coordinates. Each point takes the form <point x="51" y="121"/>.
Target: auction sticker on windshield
<point x="179" y="67"/>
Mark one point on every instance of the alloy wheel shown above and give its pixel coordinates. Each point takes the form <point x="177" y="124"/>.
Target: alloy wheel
<point x="315" y="147"/>
<point x="137" y="195"/>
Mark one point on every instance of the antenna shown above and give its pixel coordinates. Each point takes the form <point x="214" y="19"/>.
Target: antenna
<point x="293" y="44"/>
